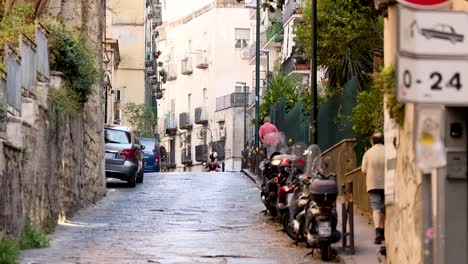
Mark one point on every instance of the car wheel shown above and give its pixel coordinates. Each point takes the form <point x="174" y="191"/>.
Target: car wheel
<point x="132" y="182"/>
<point x="140" y="177"/>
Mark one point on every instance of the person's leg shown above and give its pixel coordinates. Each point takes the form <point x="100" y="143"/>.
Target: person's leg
<point x="377" y="209"/>
<point x="382" y="214"/>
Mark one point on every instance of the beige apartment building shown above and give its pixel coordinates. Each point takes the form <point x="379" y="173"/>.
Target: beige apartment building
<point x="125" y="36"/>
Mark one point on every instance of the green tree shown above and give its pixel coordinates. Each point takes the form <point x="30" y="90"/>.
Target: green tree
<point x="348" y="32"/>
<point x="142" y="118"/>
<point x="284" y="86"/>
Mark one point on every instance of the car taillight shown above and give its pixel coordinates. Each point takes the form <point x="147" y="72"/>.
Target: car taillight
<point x="156" y="159"/>
<point x="300" y="161"/>
<point x="128" y="153"/>
<point x="285" y="162"/>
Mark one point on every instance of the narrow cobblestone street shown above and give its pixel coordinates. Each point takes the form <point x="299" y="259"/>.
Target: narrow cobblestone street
<point x="174" y="218"/>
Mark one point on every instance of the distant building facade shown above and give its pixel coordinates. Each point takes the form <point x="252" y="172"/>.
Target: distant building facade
<point x="205" y="60"/>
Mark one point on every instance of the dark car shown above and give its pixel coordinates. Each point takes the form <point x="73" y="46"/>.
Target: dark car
<point x="152" y="154"/>
<point x="442" y="31"/>
<point x="124" y="155"/>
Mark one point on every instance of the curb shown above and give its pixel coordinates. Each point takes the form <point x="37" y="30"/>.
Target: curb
<point x="251" y="176"/>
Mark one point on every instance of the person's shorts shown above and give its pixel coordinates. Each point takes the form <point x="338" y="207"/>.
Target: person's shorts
<point x="376" y="198"/>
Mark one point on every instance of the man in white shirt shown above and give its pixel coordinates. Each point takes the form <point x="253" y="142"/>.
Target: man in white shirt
<point x="373" y="168"/>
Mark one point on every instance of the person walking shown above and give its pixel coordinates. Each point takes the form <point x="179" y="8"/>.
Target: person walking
<point x="268" y="134"/>
<point x="373" y="168"/>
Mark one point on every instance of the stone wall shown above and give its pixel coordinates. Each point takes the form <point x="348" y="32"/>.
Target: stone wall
<point x="43" y="173"/>
<point x="403" y="224"/>
<point x="51" y="165"/>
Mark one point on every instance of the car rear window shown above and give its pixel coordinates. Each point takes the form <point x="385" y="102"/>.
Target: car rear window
<point x="149" y="144"/>
<point x="116" y="136"/>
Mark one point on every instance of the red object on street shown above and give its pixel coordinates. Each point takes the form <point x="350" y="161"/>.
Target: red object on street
<point x="424" y="3"/>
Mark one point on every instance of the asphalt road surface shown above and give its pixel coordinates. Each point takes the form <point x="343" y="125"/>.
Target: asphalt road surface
<point x="174" y="218"/>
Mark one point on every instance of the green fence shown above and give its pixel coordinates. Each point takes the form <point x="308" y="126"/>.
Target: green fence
<point x="293" y="123"/>
<point x="334" y="120"/>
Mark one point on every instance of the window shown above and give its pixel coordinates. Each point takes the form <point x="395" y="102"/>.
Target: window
<point x="242" y="37"/>
<point x="116" y="136"/>
<point x="118" y="95"/>
<point x="118" y="115"/>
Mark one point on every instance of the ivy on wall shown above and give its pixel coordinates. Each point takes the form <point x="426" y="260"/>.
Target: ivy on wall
<point x="368" y="115"/>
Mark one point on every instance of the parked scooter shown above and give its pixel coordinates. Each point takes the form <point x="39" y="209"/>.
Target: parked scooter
<point x="321" y="214"/>
<point x="272" y="173"/>
<point x="294" y="164"/>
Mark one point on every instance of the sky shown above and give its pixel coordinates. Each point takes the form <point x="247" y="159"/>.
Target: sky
<point x="173" y="9"/>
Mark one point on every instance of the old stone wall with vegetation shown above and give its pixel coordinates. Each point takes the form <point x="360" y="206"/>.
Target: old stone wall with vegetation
<point x="51" y="154"/>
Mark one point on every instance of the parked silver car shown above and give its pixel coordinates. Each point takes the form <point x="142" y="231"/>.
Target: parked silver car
<point x="124" y="155"/>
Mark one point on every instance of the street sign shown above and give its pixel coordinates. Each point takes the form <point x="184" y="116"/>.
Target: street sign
<point x="432" y="33"/>
<point x="433" y="81"/>
<point x="424" y="3"/>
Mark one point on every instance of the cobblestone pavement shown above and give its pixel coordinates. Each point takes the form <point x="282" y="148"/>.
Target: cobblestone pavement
<point x="174" y="218"/>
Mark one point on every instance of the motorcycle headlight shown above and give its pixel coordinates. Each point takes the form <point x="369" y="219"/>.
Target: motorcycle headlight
<point x="276" y="162"/>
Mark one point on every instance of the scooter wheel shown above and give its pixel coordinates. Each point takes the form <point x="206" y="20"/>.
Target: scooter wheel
<point x="288" y="228"/>
<point x="325" y="251"/>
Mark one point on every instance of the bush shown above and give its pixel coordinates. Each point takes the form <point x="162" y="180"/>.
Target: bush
<point x="72" y="56"/>
<point x="64" y="101"/>
<point x="8" y="250"/>
<point x="33" y="237"/>
<point x="368" y="114"/>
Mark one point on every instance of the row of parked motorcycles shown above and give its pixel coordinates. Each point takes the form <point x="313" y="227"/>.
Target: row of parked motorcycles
<point x="296" y="191"/>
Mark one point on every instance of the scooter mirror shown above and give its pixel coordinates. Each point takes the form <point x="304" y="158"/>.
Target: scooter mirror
<point x="305" y="181"/>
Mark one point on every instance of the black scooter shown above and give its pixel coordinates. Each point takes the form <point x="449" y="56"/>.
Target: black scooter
<point x="322" y="216"/>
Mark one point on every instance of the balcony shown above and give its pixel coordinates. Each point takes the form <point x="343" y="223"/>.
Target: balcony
<point x="157" y="91"/>
<point x="148" y="63"/>
<point x="275" y="35"/>
<point x="171" y="71"/>
<point x="170" y="124"/>
<point x="293" y="8"/>
<point x="153" y="80"/>
<point x="184" y="121"/>
<point x="202" y="60"/>
<point x="201" y="116"/>
<point x="186" y="63"/>
<point x="201" y="153"/>
<point x="186" y="156"/>
<point x="296" y="63"/>
<point x="231" y="100"/>
<point x="150" y="72"/>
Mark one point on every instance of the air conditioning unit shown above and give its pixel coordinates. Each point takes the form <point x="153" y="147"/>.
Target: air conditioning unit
<point x="245" y="54"/>
<point x="222" y="133"/>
